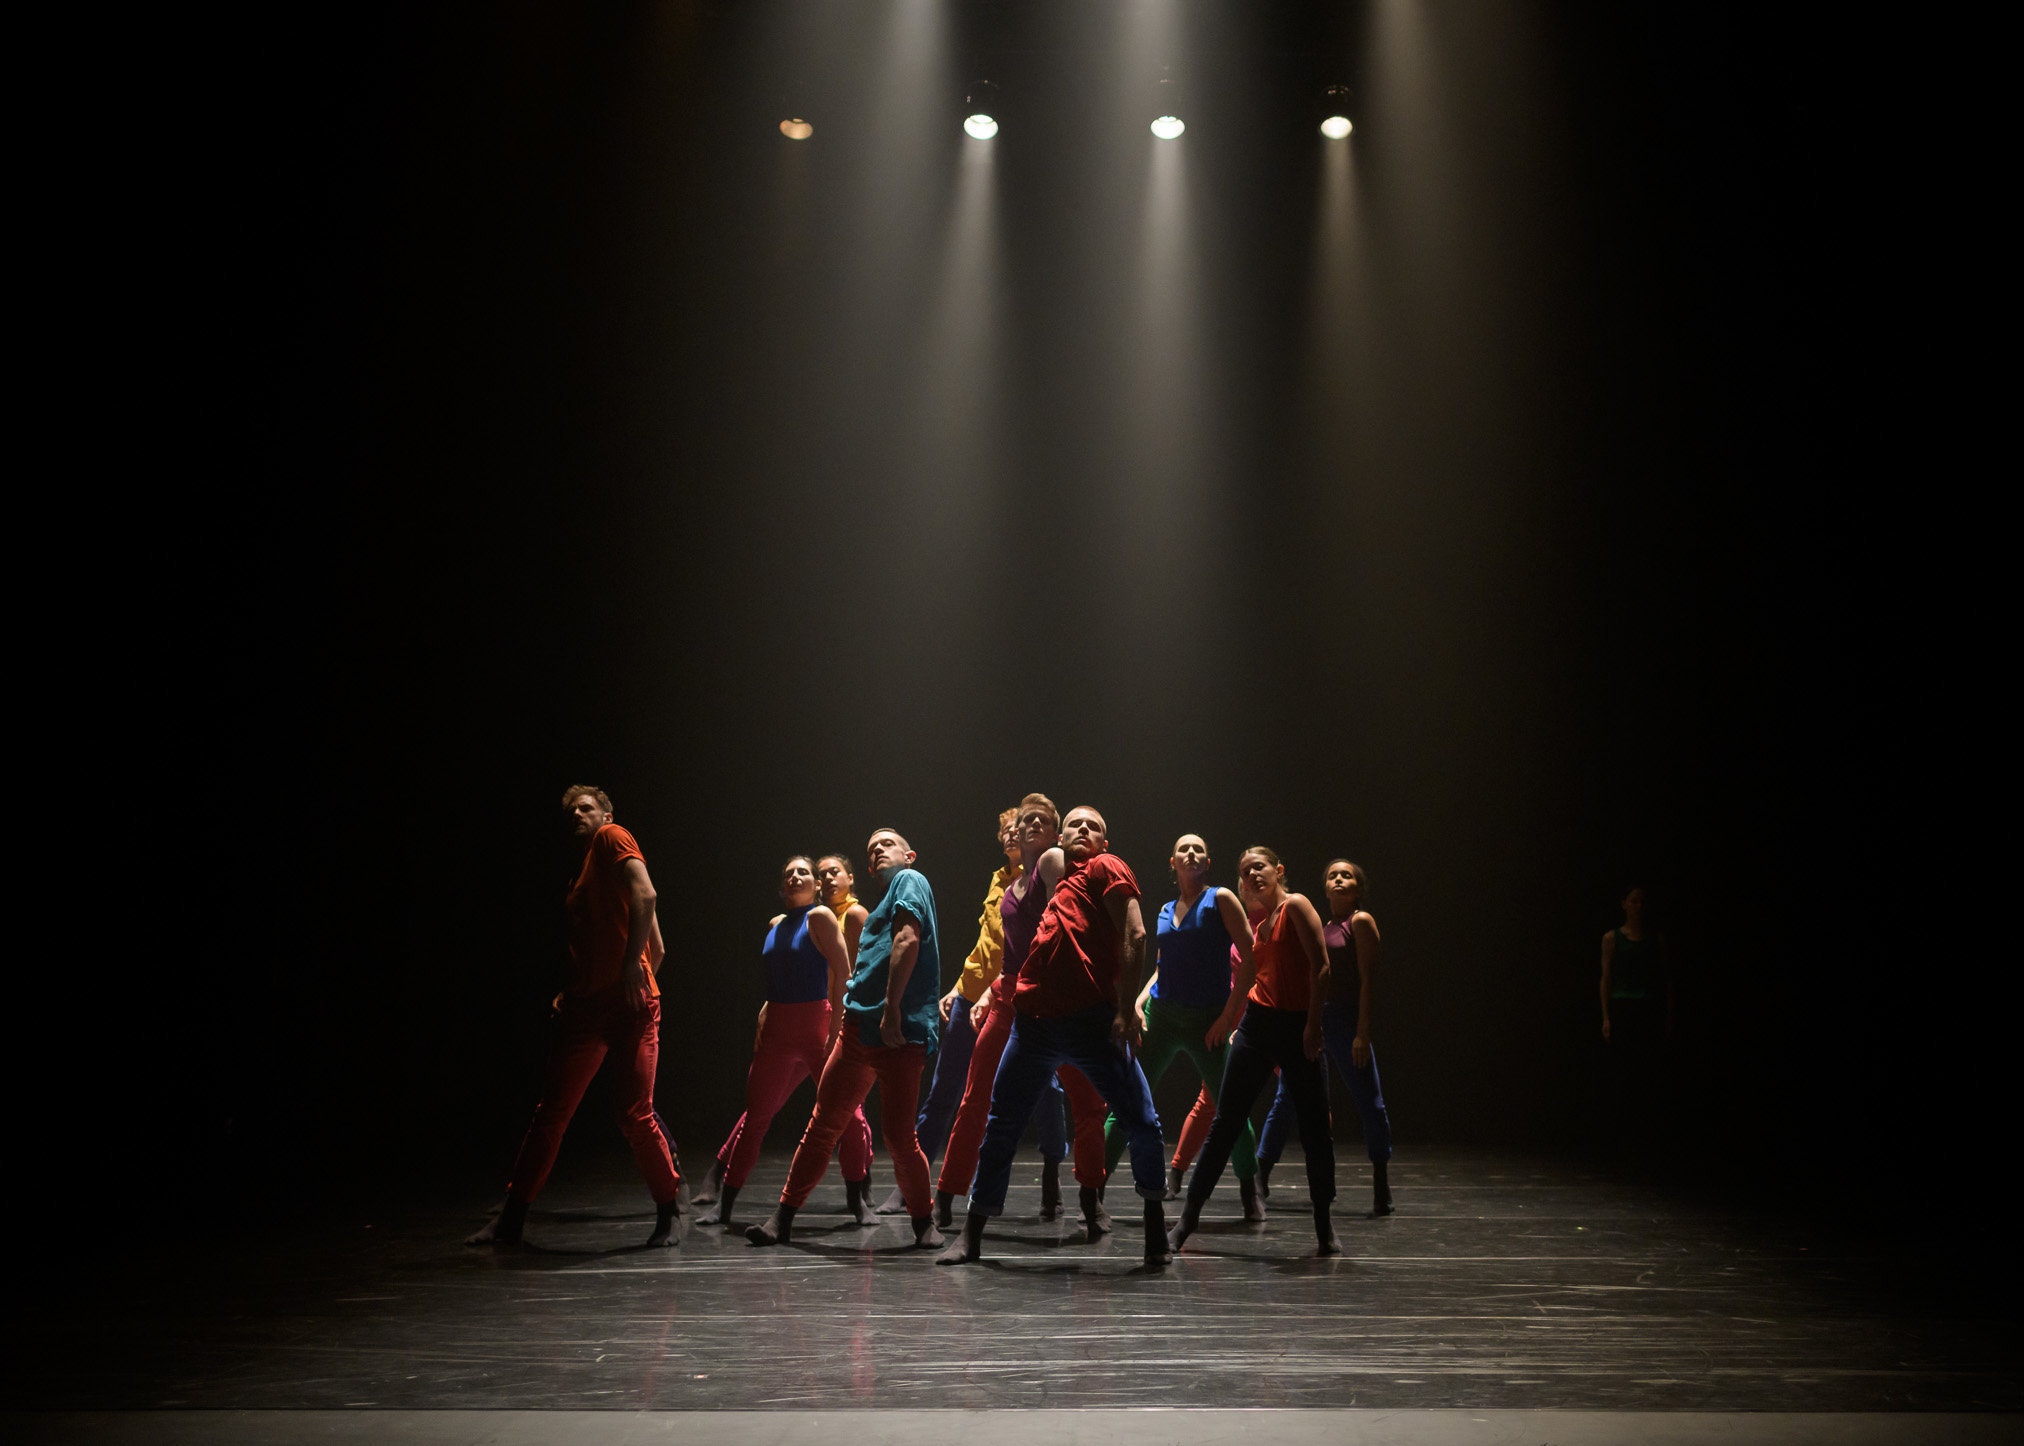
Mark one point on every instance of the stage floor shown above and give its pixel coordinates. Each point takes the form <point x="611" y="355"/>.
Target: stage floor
<point x="1500" y="1283"/>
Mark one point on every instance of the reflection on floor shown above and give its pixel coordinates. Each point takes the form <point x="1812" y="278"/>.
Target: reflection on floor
<point x="1498" y="1284"/>
<point x="1012" y="1428"/>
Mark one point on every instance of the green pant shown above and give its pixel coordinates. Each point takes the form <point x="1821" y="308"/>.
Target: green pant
<point x="1173" y="1029"/>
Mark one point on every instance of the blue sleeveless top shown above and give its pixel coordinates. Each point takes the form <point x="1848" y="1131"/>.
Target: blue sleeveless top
<point x="1194" y="955"/>
<point x="796" y="972"/>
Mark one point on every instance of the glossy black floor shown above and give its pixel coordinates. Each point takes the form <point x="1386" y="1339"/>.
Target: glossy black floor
<point x="1500" y="1282"/>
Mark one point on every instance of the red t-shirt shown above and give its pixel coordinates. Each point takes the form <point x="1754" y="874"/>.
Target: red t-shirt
<point x="1074" y="960"/>
<point x="600" y="914"/>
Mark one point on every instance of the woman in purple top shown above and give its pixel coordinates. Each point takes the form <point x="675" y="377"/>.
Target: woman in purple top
<point x="1352" y="938"/>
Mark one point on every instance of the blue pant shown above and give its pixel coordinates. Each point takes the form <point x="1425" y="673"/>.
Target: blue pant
<point x="1338" y="1029"/>
<point x="945" y="1095"/>
<point x="1037" y="1048"/>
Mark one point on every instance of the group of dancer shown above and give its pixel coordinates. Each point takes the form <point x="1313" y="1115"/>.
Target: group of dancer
<point x="1048" y="1007"/>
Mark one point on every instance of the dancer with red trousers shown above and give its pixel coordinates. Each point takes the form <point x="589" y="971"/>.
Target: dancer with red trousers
<point x="610" y="1008"/>
<point x="888" y="1027"/>
<point x="798" y="1025"/>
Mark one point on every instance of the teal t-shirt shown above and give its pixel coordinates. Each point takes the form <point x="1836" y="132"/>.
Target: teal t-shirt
<point x="864" y="998"/>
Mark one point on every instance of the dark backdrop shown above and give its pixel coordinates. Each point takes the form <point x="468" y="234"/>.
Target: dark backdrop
<point x="574" y="427"/>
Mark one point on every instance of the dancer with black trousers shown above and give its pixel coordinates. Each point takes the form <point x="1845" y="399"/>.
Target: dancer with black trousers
<point x="1282" y="1026"/>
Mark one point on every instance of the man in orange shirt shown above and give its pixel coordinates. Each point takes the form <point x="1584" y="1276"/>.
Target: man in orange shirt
<point x="611" y="1006"/>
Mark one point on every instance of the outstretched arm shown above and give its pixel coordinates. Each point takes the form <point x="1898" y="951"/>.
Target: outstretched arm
<point x="1123" y="909"/>
<point x="906" y="953"/>
<point x="1307" y="929"/>
<point x="1238" y="927"/>
<point x="827" y="935"/>
<point x="641" y="930"/>
<point x="1363" y="929"/>
<point x="1608" y="957"/>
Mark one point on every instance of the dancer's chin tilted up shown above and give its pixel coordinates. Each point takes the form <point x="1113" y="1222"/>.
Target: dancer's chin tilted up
<point x="1036" y="831"/>
<point x="1282" y="1026"/>
<point x="1191" y="1003"/>
<point x="889" y="1025"/>
<point x="1352" y="938"/>
<point x="798" y="1024"/>
<point x="1073" y="1005"/>
<point x="611" y="1007"/>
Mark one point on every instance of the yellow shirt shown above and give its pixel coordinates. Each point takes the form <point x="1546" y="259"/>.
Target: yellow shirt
<point x="989" y="956"/>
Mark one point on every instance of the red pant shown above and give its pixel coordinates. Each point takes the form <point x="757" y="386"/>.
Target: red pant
<point x="966" y="1138"/>
<point x="585" y="1032"/>
<point x="846" y="1079"/>
<point x="789" y="1051"/>
<point x="1195" y="1129"/>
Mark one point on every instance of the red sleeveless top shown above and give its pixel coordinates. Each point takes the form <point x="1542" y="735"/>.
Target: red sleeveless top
<point x="1284" y="979"/>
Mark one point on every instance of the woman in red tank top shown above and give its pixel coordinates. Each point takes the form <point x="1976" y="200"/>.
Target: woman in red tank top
<point x="1282" y="1028"/>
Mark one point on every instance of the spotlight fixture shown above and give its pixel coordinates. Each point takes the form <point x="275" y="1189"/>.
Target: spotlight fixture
<point x="796" y="129"/>
<point x="1167" y="124"/>
<point x="980" y="111"/>
<point x="1335" y="122"/>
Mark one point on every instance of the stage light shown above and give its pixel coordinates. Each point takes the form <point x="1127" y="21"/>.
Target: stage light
<point x="796" y="129"/>
<point x="980" y="110"/>
<point x="1167" y="107"/>
<point x="1335" y="122"/>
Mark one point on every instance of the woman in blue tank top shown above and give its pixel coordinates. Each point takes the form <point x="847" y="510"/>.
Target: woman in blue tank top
<point x="1190" y="1005"/>
<point x="805" y="968"/>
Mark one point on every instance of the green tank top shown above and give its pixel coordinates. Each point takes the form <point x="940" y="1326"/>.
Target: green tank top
<point x="1634" y="969"/>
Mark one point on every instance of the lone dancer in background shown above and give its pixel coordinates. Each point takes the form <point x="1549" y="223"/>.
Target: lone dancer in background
<point x="889" y="1026"/>
<point x="1191" y="1003"/>
<point x="805" y="971"/>
<point x="610" y="1006"/>
<point x="1282" y="1026"/>
<point x="1073" y="1005"/>
<point x="959" y="1035"/>
<point x="833" y="881"/>
<point x="1637" y="1024"/>
<point x="1020" y="911"/>
<point x="1637" y="981"/>
<point x="1351" y="935"/>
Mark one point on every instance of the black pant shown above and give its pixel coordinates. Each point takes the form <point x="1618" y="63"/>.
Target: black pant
<point x="1266" y="1038"/>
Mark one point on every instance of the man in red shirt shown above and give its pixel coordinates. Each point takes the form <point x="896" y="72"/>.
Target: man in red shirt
<point x="610" y="1006"/>
<point x="1074" y="1006"/>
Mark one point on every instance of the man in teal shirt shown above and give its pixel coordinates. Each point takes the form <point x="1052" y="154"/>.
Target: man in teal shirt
<point x="889" y="1027"/>
<point x="896" y="983"/>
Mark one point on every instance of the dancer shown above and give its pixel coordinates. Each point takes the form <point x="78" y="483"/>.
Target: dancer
<point x="888" y="1027"/>
<point x="1637" y="1023"/>
<point x="1020" y="911"/>
<point x="1194" y="1131"/>
<point x="1192" y="1003"/>
<point x="1352" y="939"/>
<point x="959" y="1035"/>
<point x="1073" y="1005"/>
<point x="1282" y="1026"/>
<point x="833" y="880"/>
<point x="611" y="1005"/>
<point x="1636" y="977"/>
<point x="798" y="1024"/>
